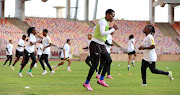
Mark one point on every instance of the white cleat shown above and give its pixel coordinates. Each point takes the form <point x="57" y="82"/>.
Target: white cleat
<point x="52" y="72"/>
<point x="30" y="74"/>
<point x="170" y="75"/>
<point x="35" y="65"/>
<point x="20" y="74"/>
<point x="144" y="85"/>
<point x="4" y="65"/>
<point x="12" y="67"/>
<point x="44" y="72"/>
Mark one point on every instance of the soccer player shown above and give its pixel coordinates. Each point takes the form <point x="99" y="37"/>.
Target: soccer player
<point x="29" y="51"/>
<point x="108" y="45"/>
<point x="39" y="52"/>
<point x="98" y="49"/>
<point x="150" y="56"/>
<point x="46" y="51"/>
<point x="131" y="50"/>
<point x="65" y="55"/>
<point x="19" y="50"/>
<point x="88" y="59"/>
<point x="9" y="50"/>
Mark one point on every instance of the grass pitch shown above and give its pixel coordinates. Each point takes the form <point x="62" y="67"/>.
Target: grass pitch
<point x="70" y="83"/>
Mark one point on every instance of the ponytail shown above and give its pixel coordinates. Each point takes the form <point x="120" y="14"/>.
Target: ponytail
<point x="29" y="31"/>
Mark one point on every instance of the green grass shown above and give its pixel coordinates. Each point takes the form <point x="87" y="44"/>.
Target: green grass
<point x="70" y="83"/>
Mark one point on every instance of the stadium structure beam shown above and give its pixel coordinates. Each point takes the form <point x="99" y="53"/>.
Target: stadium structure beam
<point x="170" y="13"/>
<point x="59" y="11"/>
<point x="76" y="9"/>
<point x="151" y="12"/>
<point x="86" y="10"/>
<point x="20" y="9"/>
<point x="68" y="9"/>
<point x="95" y="9"/>
<point x="2" y="9"/>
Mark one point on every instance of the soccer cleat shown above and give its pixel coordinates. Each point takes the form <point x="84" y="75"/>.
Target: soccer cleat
<point x="30" y="74"/>
<point x="144" y="85"/>
<point x="170" y="75"/>
<point x="88" y="87"/>
<point x="98" y="76"/>
<point x="4" y="65"/>
<point x="129" y="69"/>
<point x="20" y="74"/>
<point x="35" y="65"/>
<point x="44" y="72"/>
<point x="133" y="63"/>
<point x="109" y="77"/>
<point x="12" y="67"/>
<point x="52" y="72"/>
<point x="102" y="82"/>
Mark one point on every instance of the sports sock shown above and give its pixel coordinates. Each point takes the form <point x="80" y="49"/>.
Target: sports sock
<point x="87" y="82"/>
<point x="56" y="66"/>
<point x="68" y="67"/>
<point x="133" y="61"/>
<point x="129" y="66"/>
<point x="102" y="78"/>
<point x="30" y="70"/>
<point x="20" y="70"/>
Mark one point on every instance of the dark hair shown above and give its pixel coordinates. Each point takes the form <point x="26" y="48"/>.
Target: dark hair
<point x="40" y="42"/>
<point x="110" y="11"/>
<point x="24" y="36"/>
<point x="151" y="28"/>
<point x="30" y="29"/>
<point x="68" y="40"/>
<point x="10" y="40"/>
<point x="45" y="30"/>
<point x="131" y="36"/>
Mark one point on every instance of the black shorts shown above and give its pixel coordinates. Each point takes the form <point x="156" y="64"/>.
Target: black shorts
<point x="133" y="52"/>
<point x="64" y="59"/>
<point x="19" y="54"/>
<point x="39" y="56"/>
<point x="96" y="50"/>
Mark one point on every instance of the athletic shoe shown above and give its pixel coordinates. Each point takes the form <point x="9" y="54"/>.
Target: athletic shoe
<point x="88" y="87"/>
<point x="144" y="85"/>
<point x="69" y="70"/>
<point x="20" y="74"/>
<point x="19" y="66"/>
<point x="54" y="68"/>
<point x="170" y="75"/>
<point x="97" y="76"/>
<point x="102" y="82"/>
<point x="52" y="72"/>
<point x="4" y="65"/>
<point x="35" y="65"/>
<point x="44" y="72"/>
<point x="12" y="67"/>
<point x="30" y="74"/>
<point x="129" y="69"/>
<point x="133" y="63"/>
<point x="109" y="77"/>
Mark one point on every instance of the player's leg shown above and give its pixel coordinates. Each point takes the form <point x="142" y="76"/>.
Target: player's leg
<point x="26" y="59"/>
<point x="69" y="64"/>
<point x="102" y="63"/>
<point x="88" y="59"/>
<point x="62" y="62"/>
<point x="108" y="71"/>
<point x="42" y="64"/>
<point x="144" y="66"/>
<point x="6" y="60"/>
<point x="134" y="58"/>
<point x="10" y="58"/>
<point x="47" y="62"/>
<point x="153" y="69"/>
<point x="33" y="57"/>
<point x="129" y="60"/>
<point x="17" y="58"/>
<point x="108" y="61"/>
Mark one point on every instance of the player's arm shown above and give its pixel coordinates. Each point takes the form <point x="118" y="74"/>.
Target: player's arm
<point x="64" y="54"/>
<point x="85" y="47"/>
<point x="134" y="44"/>
<point x="152" y="45"/>
<point x="107" y="43"/>
<point x="7" y="50"/>
<point x="102" y="25"/>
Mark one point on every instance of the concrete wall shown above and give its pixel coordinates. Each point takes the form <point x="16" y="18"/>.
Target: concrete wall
<point x="124" y="57"/>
